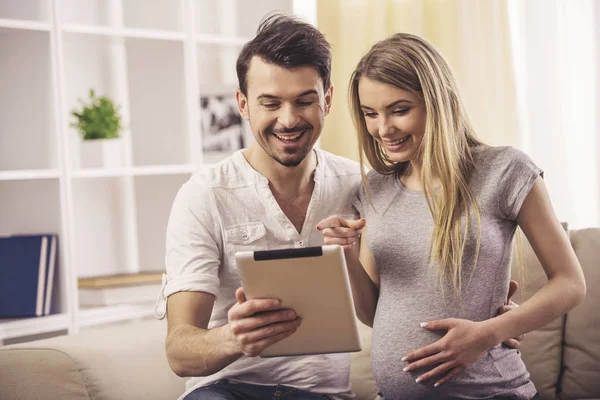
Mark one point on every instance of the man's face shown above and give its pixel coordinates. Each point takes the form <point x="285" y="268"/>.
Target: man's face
<point x="286" y="109"/>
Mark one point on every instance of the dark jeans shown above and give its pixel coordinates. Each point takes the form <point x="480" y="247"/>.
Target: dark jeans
<point x="223" y="390"/>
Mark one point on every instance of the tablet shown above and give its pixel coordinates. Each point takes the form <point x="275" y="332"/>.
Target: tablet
<point x="313" y="282"/>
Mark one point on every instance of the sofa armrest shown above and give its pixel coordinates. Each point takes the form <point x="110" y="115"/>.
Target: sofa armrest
<point x="125" y="361"/>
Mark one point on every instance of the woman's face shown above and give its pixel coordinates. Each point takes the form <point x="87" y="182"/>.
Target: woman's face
<point x="394" y="117"/>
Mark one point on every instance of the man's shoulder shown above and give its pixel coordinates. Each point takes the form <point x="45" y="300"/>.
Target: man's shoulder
<point x="335" y="165"/>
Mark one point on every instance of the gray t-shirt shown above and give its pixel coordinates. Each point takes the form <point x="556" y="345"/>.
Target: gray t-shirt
<point x="399" y="236"/>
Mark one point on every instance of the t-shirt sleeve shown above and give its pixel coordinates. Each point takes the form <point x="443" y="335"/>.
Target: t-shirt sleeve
<point x="193" y="241"/>
<point x="518" y="174"/>
<point x="357" y="203"/>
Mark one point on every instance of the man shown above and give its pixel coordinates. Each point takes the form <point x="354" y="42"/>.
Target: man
<point x="271" y="195"/>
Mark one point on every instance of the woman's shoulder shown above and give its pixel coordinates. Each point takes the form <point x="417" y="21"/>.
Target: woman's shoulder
<point x="496" y="154"/>
<point x="377" y="184"/>
<point x="502" y="175"/>
<point x="499" y="159"/>
<point x="377" y="180"/>
<point x="485" y="152"/>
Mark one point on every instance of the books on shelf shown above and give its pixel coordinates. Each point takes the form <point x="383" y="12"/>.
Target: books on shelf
<point x="27" y="264"/>
<point x="119" y="289"/>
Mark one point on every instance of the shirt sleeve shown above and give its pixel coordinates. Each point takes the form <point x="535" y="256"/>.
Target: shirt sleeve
<point x="357" y="204"/>
<point x="517" y="178"/>
<point x="193" y="241"/>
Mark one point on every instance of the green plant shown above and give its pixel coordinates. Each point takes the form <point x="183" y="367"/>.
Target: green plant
<point x="98" y="119"/>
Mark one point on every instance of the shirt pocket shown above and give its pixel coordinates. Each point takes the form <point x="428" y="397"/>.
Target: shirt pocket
<point x="250" y="236"/>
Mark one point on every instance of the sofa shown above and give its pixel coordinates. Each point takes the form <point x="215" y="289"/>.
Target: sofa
<point x="127" y="361"/>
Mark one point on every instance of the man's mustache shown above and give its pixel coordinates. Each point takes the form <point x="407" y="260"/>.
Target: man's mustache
<point x="297" y="128"/>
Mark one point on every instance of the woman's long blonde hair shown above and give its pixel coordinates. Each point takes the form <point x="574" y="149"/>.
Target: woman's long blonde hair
<point x="412" y="64"/>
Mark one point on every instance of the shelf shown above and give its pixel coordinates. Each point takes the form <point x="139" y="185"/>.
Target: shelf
<point x="25" y="11"/>
<point x="12" y="328"/>
<point x="221" y="39"/>
<point x="163" y="15"/>
<point x="238" y="18"/>
<point x="110" y="203"/>
<point x="157" y="102"/>
<point x="154" y="34"/>
<point x="155" y="14"/>
<point x="104" y="315"/>
<point x="8" y="24"/>
<point x="27" y="109"/>
<point x="103" y="230"/>
<point x="28" y="174"/>
<point x="216" y="71"/>
<point x="30" y="206"/>
<point x="135" y="171"/>
<point x="154" y="200"/>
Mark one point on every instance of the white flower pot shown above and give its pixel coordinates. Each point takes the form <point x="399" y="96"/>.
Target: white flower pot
<point x="101" y="153"/>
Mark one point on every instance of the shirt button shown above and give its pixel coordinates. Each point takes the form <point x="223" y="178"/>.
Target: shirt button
<point x="245" y="236"/>
<point x="301" y="243"/>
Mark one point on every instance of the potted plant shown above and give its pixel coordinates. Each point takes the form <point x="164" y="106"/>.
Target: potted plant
<point x="97" y="121"/>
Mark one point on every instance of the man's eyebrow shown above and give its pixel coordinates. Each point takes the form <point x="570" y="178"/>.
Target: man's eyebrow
<point x="391" y="105"/>
<point x="266" y="96"/>
<point x="311" y="91"/>
<point x="273" y="97"/>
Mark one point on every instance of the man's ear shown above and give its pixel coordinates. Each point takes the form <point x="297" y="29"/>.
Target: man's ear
<point x="242" y="103"/>
<point x="328" y="99"/>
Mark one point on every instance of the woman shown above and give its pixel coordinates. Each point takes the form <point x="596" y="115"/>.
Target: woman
<point x="442" y="209"/>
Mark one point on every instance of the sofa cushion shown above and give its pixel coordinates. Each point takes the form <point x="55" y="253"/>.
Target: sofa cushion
<point x="542" y="349"/>
<point x="101" y="363"/>
<point x="361" y="375"/>
<point x="581" y="357"/>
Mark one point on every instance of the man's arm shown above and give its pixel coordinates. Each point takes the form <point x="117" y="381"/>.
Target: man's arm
<point x="195" y="350"/>
<point x="192" y="349"/>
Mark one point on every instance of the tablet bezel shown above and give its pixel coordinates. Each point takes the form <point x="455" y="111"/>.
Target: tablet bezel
<point x="329" y="323"/>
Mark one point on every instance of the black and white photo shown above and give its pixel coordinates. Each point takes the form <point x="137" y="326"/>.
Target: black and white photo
<point x="224" y="131"/>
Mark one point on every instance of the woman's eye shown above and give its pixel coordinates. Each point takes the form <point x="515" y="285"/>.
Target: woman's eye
<point x="370" y="114"/>
<point x="400" y="111"/>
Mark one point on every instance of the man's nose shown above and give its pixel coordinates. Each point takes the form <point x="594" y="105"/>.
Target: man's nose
<point x="288" y="116"/>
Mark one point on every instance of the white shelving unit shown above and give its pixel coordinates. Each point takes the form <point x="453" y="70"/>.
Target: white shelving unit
<point x="153" y="58"/>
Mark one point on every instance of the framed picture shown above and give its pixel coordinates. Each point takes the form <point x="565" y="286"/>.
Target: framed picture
<point x="223" y="130"/>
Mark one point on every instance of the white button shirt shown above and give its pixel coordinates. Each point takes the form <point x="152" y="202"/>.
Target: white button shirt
<point x="230" y="208"/>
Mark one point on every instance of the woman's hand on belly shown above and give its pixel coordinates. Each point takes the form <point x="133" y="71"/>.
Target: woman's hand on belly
<point x="463" y="344"/>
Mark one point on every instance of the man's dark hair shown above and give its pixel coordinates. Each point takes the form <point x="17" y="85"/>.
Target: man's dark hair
<point x="287" y="42"/>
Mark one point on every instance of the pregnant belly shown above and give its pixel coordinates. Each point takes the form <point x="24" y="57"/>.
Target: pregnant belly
<point x="393" y="338"/>
<point x="395" y="335"/>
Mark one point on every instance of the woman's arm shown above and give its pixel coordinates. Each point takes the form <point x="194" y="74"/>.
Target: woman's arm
<point x="365" y="289"/>
<point x="466" y="341"/>
<point x="566" y="285"/>
<point x="362" y="272"/>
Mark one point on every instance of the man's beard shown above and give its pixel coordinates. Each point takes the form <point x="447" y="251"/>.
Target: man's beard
<point x="302" y="152"/>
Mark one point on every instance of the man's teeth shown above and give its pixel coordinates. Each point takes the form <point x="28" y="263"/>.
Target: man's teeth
<point x="399" y="141"/>
<point x="288" y="137"/>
